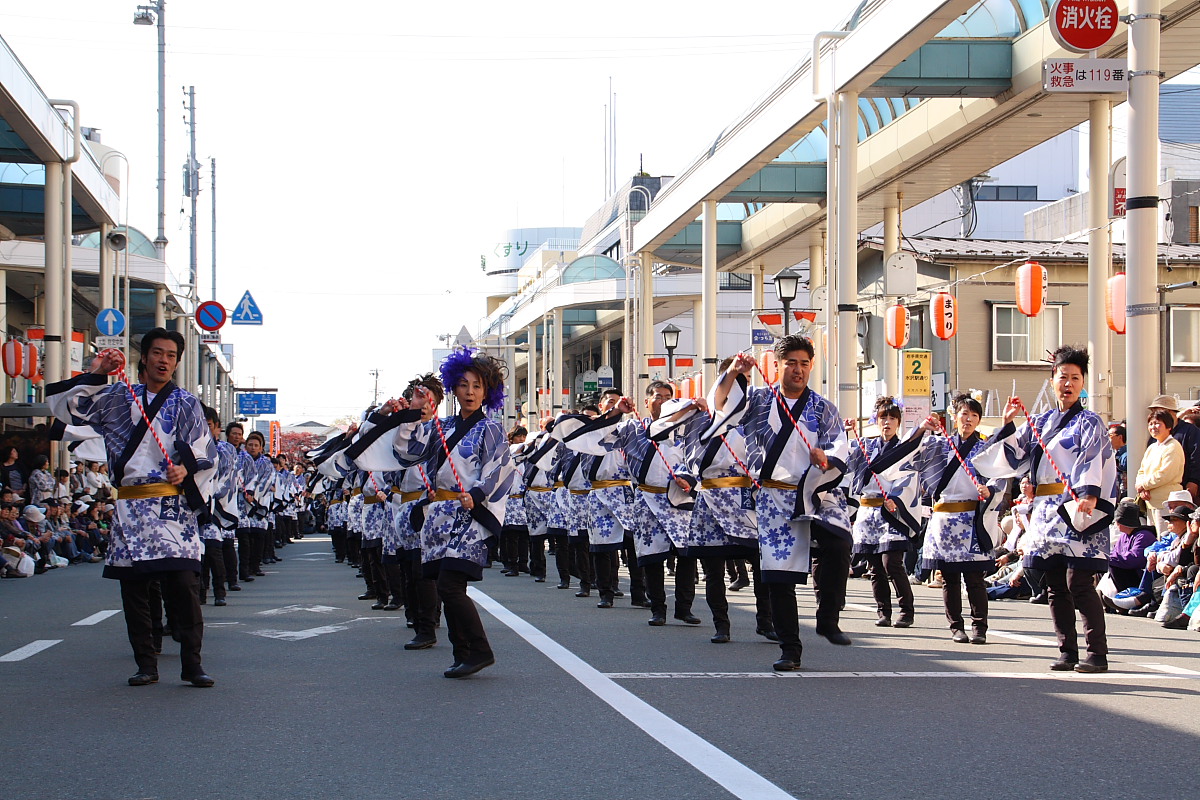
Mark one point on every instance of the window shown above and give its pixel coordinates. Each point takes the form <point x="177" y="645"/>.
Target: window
<point x="1185" y="336"/>
<point x="1022" y="340"/>
<point x="1007" y="193"/>
<point x="734" y="282"/>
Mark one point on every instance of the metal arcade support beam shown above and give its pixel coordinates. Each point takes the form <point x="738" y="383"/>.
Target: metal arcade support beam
<point x="1142" y="362"/>
<point x="847" y="254"/>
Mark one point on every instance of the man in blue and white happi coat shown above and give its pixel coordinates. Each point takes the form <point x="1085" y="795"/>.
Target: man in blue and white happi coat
<point x="797" y="452"/>
<point x="374" y="448"/>
<point x="612" y="507"/>
<point x="724" y="521"/>
<point x="538" y="469"/>
<point x="1074" y="469"/>
<point x="514" y="536"/>
<point x="664" y="499"/>
<point x="217" y="521"/>
<point x="155" y="535"/>
<point x="256" y="476"/>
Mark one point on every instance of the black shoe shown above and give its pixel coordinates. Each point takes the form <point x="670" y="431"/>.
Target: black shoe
<point x="688" y="618"/>
<point x="1092" y="663"/>
<point x="978" y="638"/>
<point x="220" y="601"/>
<point x="143" y="678"/>
<point x="720" y="638"/>
<point x="739" y="584"/>
<point x="464" y="670"/>
<point x="539" y="579"/>
<point x="767" y="633"/>
<point x="564" y="585"/>
<point x="235" y="588"/>
<point x="246" y="579"/>
<point x="641" y="603"/>
<point x="392" y="607"/>
<point x="618" y="593"/>
<point x="261" y="574"/>
<point x="367" y="596"/>
<point x="604" y="604"/>
<point x="960" y="636"/>
<point x="905" y="621"/>
<point x="421" y="642"/>
<point x="511" y="573"/>
<point x="1180" y="623"/>
<point x="1065" y="663"/>
<point x="410" y="624"/>
<point x="377" y="606"/>
<point x="786" y="665"/>
<point x="1040" y="599"/>
<point x="657" y="621"/>
<point x="203" y="601"/>
<point x="583" y="593"/>
<point x="883" y="622"/>
<point x="198" y="679"/>
<point x="835" y="637"/>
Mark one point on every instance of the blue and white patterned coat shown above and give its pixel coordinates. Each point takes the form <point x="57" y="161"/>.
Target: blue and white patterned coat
<point x="877" y="530"/>
<point x="157" y="533"/>
<point x="226" y="499"/>
<point x="660" y="522"/>
<point x="612" y="510"/>
<point x="1083" y="453"/>
<point x="960" y="540"/>
<point x="451" y="536"/>
<point x="775" y="452"/>
<point x="256" y="476"/>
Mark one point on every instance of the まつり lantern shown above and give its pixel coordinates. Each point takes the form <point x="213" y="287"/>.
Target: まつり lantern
<point x="897" y="322"/>
<point x="32" y="368"/>
<point x="14" y="357"/>
<point x="943" y="315"/>
<point x="1114" y="303"/>
<point x="1032" y="280"/>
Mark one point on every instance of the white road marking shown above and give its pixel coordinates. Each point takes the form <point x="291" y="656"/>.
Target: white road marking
<point x="1016" y="637"/>
<point x="295" y="636"/>
<point x="1191" y="673"/>
<point x="737" y="778"/>
<point x="216" y="624"/>
<point x="31" y="649"/>
<point x="99" y="616"/>
<point x="1102" y="677"/>
<point x="275" y="612"/>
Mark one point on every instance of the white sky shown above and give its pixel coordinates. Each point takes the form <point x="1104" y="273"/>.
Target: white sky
<point x="369" y="152"/>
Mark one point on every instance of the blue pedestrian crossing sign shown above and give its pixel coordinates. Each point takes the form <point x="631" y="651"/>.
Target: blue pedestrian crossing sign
<point x="110" y="322"/>
<point x="246" y="312"/>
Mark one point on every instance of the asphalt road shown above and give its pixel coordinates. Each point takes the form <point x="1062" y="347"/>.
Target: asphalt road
<point x="315" y="698"/>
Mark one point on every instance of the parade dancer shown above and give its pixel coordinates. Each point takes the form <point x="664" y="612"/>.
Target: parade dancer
<point x="256" y="476"/>
<point x="161" y="456"/>
<point x="218" y="523"/>
<point x="1067" y="453"/>
<point x="964" y="527"/>
<point x="796" y="450"/>
<point x="470" y="470"/>
<point x="888" y="487"/>
<point x="514" y="539"/>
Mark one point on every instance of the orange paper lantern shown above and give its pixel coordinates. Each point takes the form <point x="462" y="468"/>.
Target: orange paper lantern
<point x="32" y="368"/>
<point x="770" y="366"/>
<point x="1114" y="303"/>
<point x="14" y="357"/>
<point x="943" y="315"/>
<point x="897" y="323"/>
<point x="1032" y="280"/>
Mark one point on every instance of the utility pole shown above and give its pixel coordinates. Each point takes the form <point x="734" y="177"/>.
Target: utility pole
<point x="191" y="189"/>
<point x="375" y="372"/>
<point x="212" y="180"/>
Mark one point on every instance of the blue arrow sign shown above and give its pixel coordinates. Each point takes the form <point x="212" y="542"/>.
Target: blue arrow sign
<point x="254" y="403"/>
<point x="246" y="312"/>
<point x="110" y="322"/>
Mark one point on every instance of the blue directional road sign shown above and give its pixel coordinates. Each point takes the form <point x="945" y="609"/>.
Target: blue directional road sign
<point x="110" y="322"/>
<point x="246" y="312"/>
<point x="252" y="403"/>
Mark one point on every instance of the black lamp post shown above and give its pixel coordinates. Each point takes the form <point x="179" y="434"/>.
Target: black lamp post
<point x="786" y="283"/>
<point x="670" y="336"/>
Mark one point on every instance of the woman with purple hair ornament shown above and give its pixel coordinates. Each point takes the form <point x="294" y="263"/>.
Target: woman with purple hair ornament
<point x="888" y="486"/>
<point x="467" y="461"/>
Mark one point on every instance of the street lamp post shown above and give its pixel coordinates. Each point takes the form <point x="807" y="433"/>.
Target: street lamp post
<point x="154" y="13"/>
<point x="670" y="336"/>
<point x="786" y="283"/>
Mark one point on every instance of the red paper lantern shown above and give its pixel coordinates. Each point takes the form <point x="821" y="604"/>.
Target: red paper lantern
<point x="943" y="315"/>
<point x="770" y="366"/>
<point x="32" y="368"/>
<point x="897" y="322"/>
<point x="1032" y="280"/>
<point x="14" y="357"/>
<point x="1114" y="303"/>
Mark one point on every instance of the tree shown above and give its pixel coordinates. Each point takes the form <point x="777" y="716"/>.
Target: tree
<point x="295" y="444"/>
